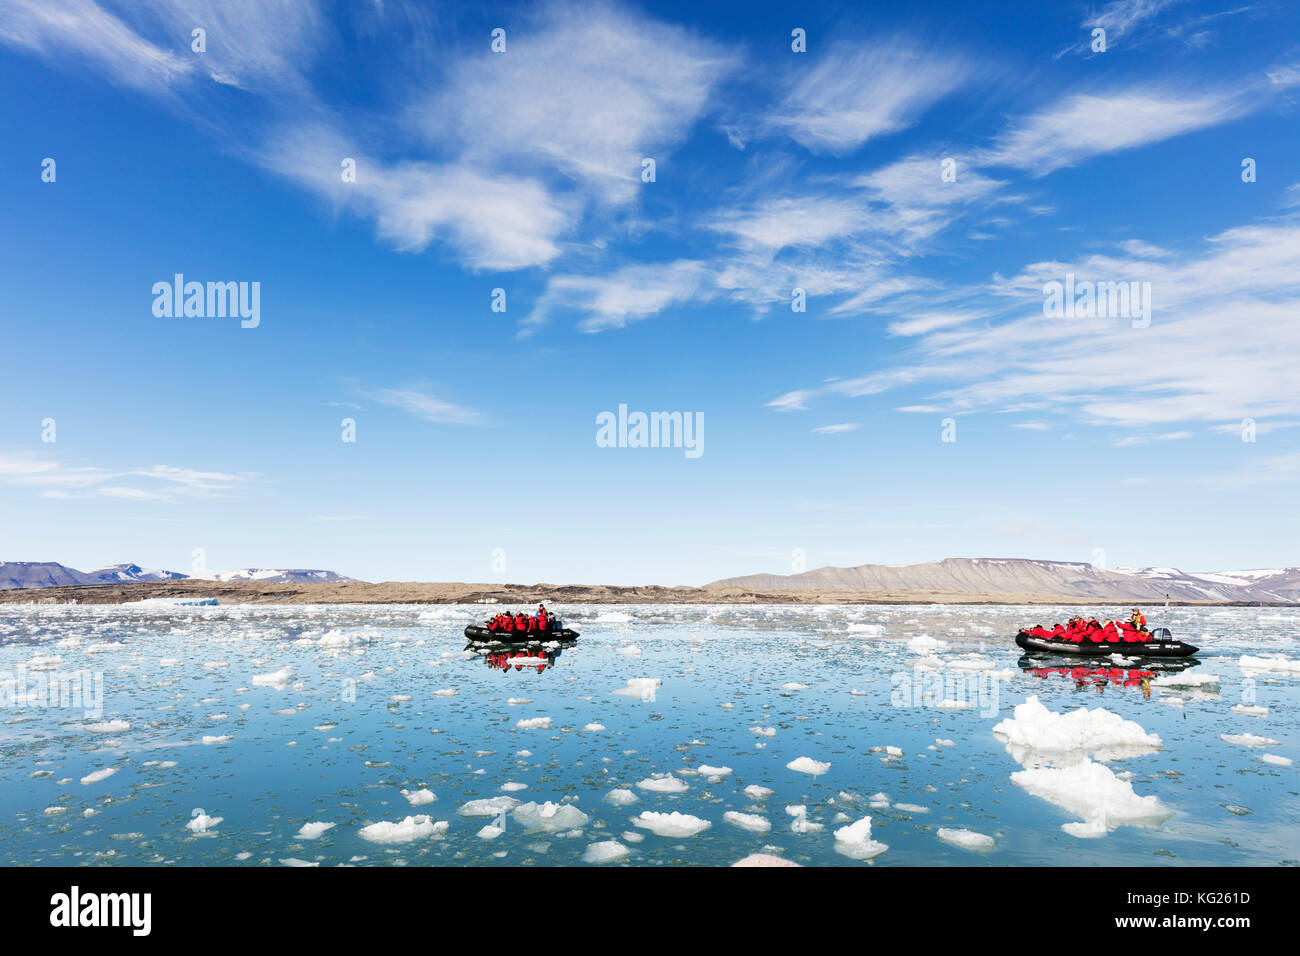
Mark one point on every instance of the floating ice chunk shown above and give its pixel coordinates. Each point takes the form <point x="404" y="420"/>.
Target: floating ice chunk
<point x="511" y="787"/>
<point x="338" y="639"/>
<point x="109" y="727"/>
<point x="1249" y="710"/>
<point x="970" y="662"/>
<point x="801" y="823"/>
<point x="410" y="828"/>
<point x="925" y="644"/>
<point x="594" y="728"/>
<point x="943" y="743"/>
<point x="911" y="808"/>
<point x="755" y="792"/>
<point x="642" y="688"/>
<point x="98" y="775"/>
<point x="612" y="617"/>
<point x="1035" y="732"/>
<point x="210" y="739"/>
<point x="631" y="650"/>
<point x="418" y="798"/>
<point x="1185" y="680"/>
<point x="445" y="692"/>
<point x="764" y="859"/>
<point x="670" y="824"/>
<point x="621" y="797"/>
<point x="871" y="630"/>
<point x="491" y="807"/>
<point x="277" y="679"/>
<point x="763" y="731"/>
<point x="708" y="771"/>
<point x="1276" y="760"/>
<point x="202" y="823"/>
<point x="950" y="704"/>
<point x="313" y="830"/>
<point x="1248" y="740"/>
<point x="748" y="821"/>
<point x="516" y="701"/>
<point x="1091" y="790"/>
<point x="295" y="862"/>
<point x="549" y="816"/>
<point x="808" y="765"/>
<point x="1268" y="664"/>
<point x="534" y="723"/>
<point x="607" y="851"/>
<point x="664" y="784"/>
<point x="794" y="686"/>
<point x="966" y="839"/>
<point x="490" y="832"/>
<point x="854" y="841"/>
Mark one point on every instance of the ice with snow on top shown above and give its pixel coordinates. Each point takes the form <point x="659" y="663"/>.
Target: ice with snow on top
<point x="594" y="727"/>
<point x="607" y="851"/>
<point x="794" y="686"/>
<point x="642" y="688"/>
<point x="202" y="823"/>
<point x="801" y="823"/>
<point x="109" y="727"/>
<point x="408" y="829"/>
<point x="764" y="859"/>
<point x="1035" y="733"/>
<point x="621" y="797"/>
<point x="490" y="832"/>
<point x="1276" y="761"/>
<point x="1092" y="791"/>
<point x="631" y="650"/>
<point x="491" y="807"/>
<point x="854" y="841"/>
<point x="966" y="839"/>
<point x="98" y="775"/>
<point x="277" y="679"/>
<point x="534" y="723"/>
<point x="925" y="644"/>
<point x="808" y="765"/>
<point x="418" y="798"/>
<point x="445" y="692"/>
<point x="708" y="771"/>
<point x="670" y="824"/>
<point x="549" y="816"/>
<point x="1249" y="710"/>
<point x="1248" y="740"/>
<point x="664" y="784"/>
<point x="756" y="792"/>
<point x="312" y="830"/>
<point x="748" y="821"/>
<point x="1268" y="664"/>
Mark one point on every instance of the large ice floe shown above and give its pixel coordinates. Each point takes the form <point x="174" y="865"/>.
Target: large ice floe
<point x="1036" y="735"/>
<point x="1092" y="791"/>
<point x="670" y="824"/>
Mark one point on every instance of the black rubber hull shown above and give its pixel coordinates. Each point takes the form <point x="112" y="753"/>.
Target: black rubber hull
<point x="1043" y="645"/>
<point x="481" y="634"/>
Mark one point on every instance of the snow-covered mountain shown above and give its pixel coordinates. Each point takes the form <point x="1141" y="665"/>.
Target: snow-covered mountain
<point x="1023" y="576"/>
<point x="51" y="574"/>
<point x="273" y="575"/>
<point x="132" y="572"/>
<point x="1274" y="584"/>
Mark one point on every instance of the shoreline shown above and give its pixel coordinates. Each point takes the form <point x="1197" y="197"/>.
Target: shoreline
<point x="391" y="592"/>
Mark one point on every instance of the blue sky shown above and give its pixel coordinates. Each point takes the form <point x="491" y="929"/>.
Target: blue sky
<point x="1079" y="439"/>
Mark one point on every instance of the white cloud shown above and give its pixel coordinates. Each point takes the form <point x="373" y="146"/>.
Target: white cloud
<point x="423" y="405"/>
<point x="168" y="481"/>
<point x="836" y="429"/>
<point x="626" y="295"/>
<point x="858" y="91"/>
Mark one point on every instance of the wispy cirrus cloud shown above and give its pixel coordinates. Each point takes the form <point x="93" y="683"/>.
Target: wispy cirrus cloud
<point x="861" y="90"/>
<point x="626" y="295"/>
<point x="163" y="482"/>
<point x="421" y="403"/>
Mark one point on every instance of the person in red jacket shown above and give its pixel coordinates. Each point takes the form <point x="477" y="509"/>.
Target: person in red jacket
<point x="1110" y="633"/>
<point x="508" y="622"/>
<point x="543" y="619"/>
<point x="521" y="622"/>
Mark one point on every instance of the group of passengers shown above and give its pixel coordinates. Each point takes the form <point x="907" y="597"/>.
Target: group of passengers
<point x="1079" y="629"/>
<point x="522" y="623"/>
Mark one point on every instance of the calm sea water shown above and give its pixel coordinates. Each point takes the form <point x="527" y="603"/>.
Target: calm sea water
<point x="270" y="718"/>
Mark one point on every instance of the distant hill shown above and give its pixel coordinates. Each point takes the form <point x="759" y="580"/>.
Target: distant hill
<point x="51" y="574"/>
<point x="1029" y="576"/>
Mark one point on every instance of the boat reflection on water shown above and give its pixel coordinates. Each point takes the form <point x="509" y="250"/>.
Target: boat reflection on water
<point x="536" y="656"/>
<point x="1099" y="677"/>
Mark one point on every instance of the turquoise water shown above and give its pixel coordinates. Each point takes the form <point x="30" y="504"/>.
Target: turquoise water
<point x="354" y="717"/>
